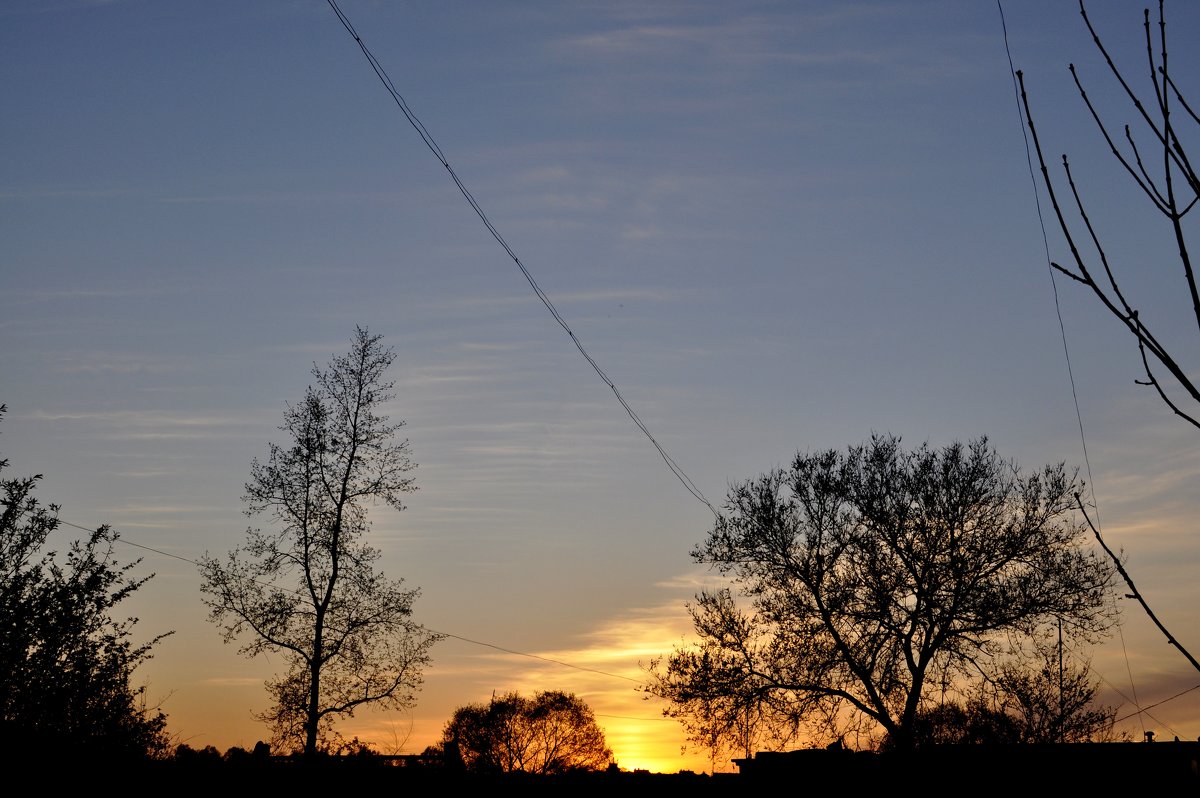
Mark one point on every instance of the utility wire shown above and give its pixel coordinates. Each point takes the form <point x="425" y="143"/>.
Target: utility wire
<point x="1053" y="283"/>
<point x="1157" y="703"/>
<point x="1091" y="486"/>
<point x="435" y="631"/>
<point x="535" y="656"/>
<point x="135" y="545"/>
<point x="427" y="137"/>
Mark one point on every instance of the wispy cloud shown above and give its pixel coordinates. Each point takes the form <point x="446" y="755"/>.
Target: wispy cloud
<point x="21" y="194"/>
<point x="112" y="363"/>
<point x="485" y="346"/>
<point x="155" y="509"/>
<point x="93" y="293"/>
<point x="233" y="681"/>
<point x="294" y="198"/>
<point x="739" y="36"/>
<point x="150" y="424"/>
<point x="543" y="174"/>
<point x="596" y="295"/>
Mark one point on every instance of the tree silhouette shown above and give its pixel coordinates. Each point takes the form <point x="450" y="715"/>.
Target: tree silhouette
<point x="1049" y="701"/>
<point x="552" y="732"/>
<point x="309" y="589"/>
<point x="1032" y="698"/>
<point x="870" y="574"/>
<point x="66" y="664"/>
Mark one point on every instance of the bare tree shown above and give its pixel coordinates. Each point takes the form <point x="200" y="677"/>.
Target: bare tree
<point x="1165" y="176"/>
<point x="309" y="589"/>
<point x="1049" y="700"/>
<point x="872" y="574"/>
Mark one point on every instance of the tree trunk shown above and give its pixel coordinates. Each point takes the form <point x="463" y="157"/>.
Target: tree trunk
<point x="313" y="716"/>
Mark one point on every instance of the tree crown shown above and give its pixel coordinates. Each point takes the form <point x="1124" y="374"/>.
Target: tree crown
<point x="552" y="732"/>
<point x="308" y="588"/>
<point x="870" y="572"/>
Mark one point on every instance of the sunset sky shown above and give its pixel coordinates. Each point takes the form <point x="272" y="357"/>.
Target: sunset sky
<point x="775" y="226"/>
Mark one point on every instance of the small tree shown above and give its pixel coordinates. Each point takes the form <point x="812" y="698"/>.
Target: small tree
<point x="1029" y="699"/>
<point x="66" y="665"/>
<point x="309" y="589"/>
<point x="871" y="573"/>
<point x="952" y="723"/>
<point x="553" y="732"/>
<point x="1049" y="701"/>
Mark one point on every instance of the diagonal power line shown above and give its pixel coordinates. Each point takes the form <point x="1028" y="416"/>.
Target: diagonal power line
<point x="427" y="137"/>
<point x="482" y="643"/>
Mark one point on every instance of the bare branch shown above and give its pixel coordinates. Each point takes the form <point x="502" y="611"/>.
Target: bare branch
<point x="1136" y="594"/>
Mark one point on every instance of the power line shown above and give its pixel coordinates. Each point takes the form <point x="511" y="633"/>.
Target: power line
<point x="135" y="545"/>
<point x="435" y="631"/>
<point x="430" y="143"/>
<point x="536" y="656"/>
<point x="1091" y="485"/>
<point x="1142" y="710"/>
<point x="630" y="717"/>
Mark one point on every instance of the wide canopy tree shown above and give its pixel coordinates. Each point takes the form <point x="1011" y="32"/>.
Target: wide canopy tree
<point x="863" y="577"/>
<point x="551" y="732"/>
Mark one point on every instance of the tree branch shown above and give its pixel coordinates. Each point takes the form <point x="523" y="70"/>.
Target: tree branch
<point x="1136" y="594"/>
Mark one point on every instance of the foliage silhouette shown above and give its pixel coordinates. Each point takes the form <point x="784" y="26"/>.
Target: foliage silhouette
<point x="551" y="733"/>
<point x="66" y="664"/>
<point x="1028" y="700"/>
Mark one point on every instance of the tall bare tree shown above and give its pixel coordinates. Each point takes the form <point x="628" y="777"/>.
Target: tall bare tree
<point x="308" y="589"/>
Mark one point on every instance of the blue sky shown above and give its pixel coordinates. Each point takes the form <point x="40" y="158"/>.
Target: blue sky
<point x="776" y="226"/>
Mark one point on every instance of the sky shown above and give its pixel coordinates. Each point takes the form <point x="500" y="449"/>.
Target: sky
<point x="777" y="227"/>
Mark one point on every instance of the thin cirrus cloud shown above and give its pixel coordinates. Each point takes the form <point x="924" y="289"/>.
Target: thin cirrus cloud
<point x="595" y="295"/>
<point x="610" y="659"/>
<point x="92" y="293"/>
<point x="750" y="44"/>
<point x="114" y="363"/>
<point x="748" y="35"/>
<point x="621" y="645"/>
<point x="233" y="681"/>
<point x="369" y="198"/>
<point x="151" y="424"/>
